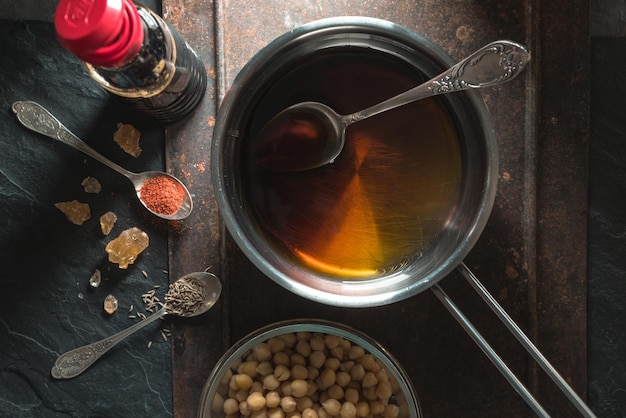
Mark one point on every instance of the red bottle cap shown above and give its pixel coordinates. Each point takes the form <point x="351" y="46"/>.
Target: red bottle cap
<point x="106" y="33"/>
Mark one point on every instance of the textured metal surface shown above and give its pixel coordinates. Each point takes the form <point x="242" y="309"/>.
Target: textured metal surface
<point x="531" y="256"/>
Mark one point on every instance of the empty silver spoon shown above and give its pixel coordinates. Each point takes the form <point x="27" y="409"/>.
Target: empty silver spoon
<point x="76" y="361"/>
<point x="35" y="117"/>
<point x="308" y="135"/>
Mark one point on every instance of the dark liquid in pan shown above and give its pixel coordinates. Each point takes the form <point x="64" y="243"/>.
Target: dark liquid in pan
<point x="385" y="197"/>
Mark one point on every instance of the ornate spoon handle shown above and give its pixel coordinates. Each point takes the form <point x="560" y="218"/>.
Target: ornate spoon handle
<point x="495" y="63"/>
<point x="37" y="118"/>
<point x="76" y="361"/>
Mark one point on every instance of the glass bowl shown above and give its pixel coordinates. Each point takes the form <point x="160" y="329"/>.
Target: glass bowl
<point x="401" y="395"/>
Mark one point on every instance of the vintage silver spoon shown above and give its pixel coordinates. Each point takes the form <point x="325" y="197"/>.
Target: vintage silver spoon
<point x="76" y="361"/>
<point x="308" y="135"/>
<point x="35" y="117"/>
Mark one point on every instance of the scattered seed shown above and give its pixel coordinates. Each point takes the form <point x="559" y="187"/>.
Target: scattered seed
<point x="144" y="273"/>
<point x="149" y="344"/>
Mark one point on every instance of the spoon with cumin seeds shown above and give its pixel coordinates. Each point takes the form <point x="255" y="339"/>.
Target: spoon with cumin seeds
<point x="191" y="295"/>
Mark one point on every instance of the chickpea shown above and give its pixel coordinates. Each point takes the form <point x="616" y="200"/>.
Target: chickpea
<point x="370" y="363"/>
<point x="256" y="401"/>
<point x="262" y="352"/>
<point x="309" y="413"/>
<point x="231" y="406"/>
<point x="317" y="359"/>
<point x="261" y="413"/>
<point x="241" y="395"/>
<point x="264" y="368"/>
<point x="275" y="413"/>
<point x="288" y="404"/>
<point x="321" y="413"/>
<point x="276" y="345"/>
<point x="313" y="388"/>
<point x="289" y="339"/>
<point x="332" y="406"/>
<point x="332" y="341"/>
<point x="370" y="394"/>
<point x="335" y="392"/>
<point x="314" y="372"/>
<point x="299" y="388"/>
<point x="303" y="347"/>
<point x="337" y="352"/>
<point x="332" y="363"/>
<point x="346" y="366"/>
<point x="297" y="358"/>
<point x="352" y="395"/>
<point x="383" y="390"/>
<point x="281" y="358"/>
<point x="218" y="403"/>
<point x="272" y="399"/>
<point x="391" y="411"/>
<point x="346" y="344"/>
<point x="244" y="409"/>
<point x="317" y="342"/>
<point x="285" y="388"/>
<point x="249" y="368"/>
<point x="369" y="380"/>
<point x="270" y="382"/>
<point x="348" y="410"/>
<point x="356" y="352"/>
<point x="376" y="407"/>
<point x="241" y="381"/>
<point x="281" y="372"/>
<point x="327" y="378"/>
<point x="256" y="387"/>
<point x="226" y="379"/>
<point x="343" y="378"/>
<point x="357" y="372"/>
<point x="299" y="371"/>
<point x="304" y="403"/>
<point x="362" y="409"/>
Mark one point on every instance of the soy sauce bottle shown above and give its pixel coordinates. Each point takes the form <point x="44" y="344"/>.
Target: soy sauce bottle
<point x="134" y="54"/>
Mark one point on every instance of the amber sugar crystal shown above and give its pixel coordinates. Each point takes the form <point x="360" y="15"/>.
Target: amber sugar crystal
<point x="125" y="249"/>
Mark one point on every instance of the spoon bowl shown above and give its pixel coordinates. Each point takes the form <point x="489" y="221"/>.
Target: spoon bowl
<point x="309" y="135"/>
<point x="186" y="203"/>
<point x="36" y="118"/>
<point x="203" y="286"/>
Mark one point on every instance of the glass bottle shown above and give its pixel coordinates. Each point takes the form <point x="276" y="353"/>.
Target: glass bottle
<point x="134" y="54"/>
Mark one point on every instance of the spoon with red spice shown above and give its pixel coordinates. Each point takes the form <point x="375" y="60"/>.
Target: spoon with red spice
<point x="161" y="193"/>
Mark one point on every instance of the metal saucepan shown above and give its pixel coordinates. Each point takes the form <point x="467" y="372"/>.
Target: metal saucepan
<point x="244" y="111"/>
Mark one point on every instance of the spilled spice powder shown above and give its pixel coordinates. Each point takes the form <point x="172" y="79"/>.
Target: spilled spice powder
<point x="162" y="195"/>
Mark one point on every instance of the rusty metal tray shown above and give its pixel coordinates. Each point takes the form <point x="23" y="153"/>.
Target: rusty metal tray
<point x="532" y="255"/>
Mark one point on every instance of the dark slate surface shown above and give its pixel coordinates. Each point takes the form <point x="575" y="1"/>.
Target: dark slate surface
<point x="607" y="229"/>
<point x="46" y="304"/>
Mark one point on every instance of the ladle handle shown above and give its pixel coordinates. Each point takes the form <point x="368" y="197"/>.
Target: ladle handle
<point x="520" y="336"/>
<point x="37" y="118"/>
<point x="76" y="361"/>
<point x="493" y="64"/>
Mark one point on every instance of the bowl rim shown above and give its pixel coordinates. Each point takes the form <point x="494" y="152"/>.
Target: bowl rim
<point x="325" y="326"/>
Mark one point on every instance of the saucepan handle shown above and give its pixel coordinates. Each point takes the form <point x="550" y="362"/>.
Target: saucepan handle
<point x="519" y="335"/>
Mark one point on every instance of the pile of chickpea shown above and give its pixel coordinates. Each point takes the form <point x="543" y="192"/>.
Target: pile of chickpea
<point x="307" y="375"/>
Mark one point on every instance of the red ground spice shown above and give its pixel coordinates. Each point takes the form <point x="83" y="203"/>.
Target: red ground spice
<point x="162" y="195"/>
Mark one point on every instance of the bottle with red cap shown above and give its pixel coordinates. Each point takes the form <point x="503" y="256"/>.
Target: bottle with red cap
<point x="134" y="54"/>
